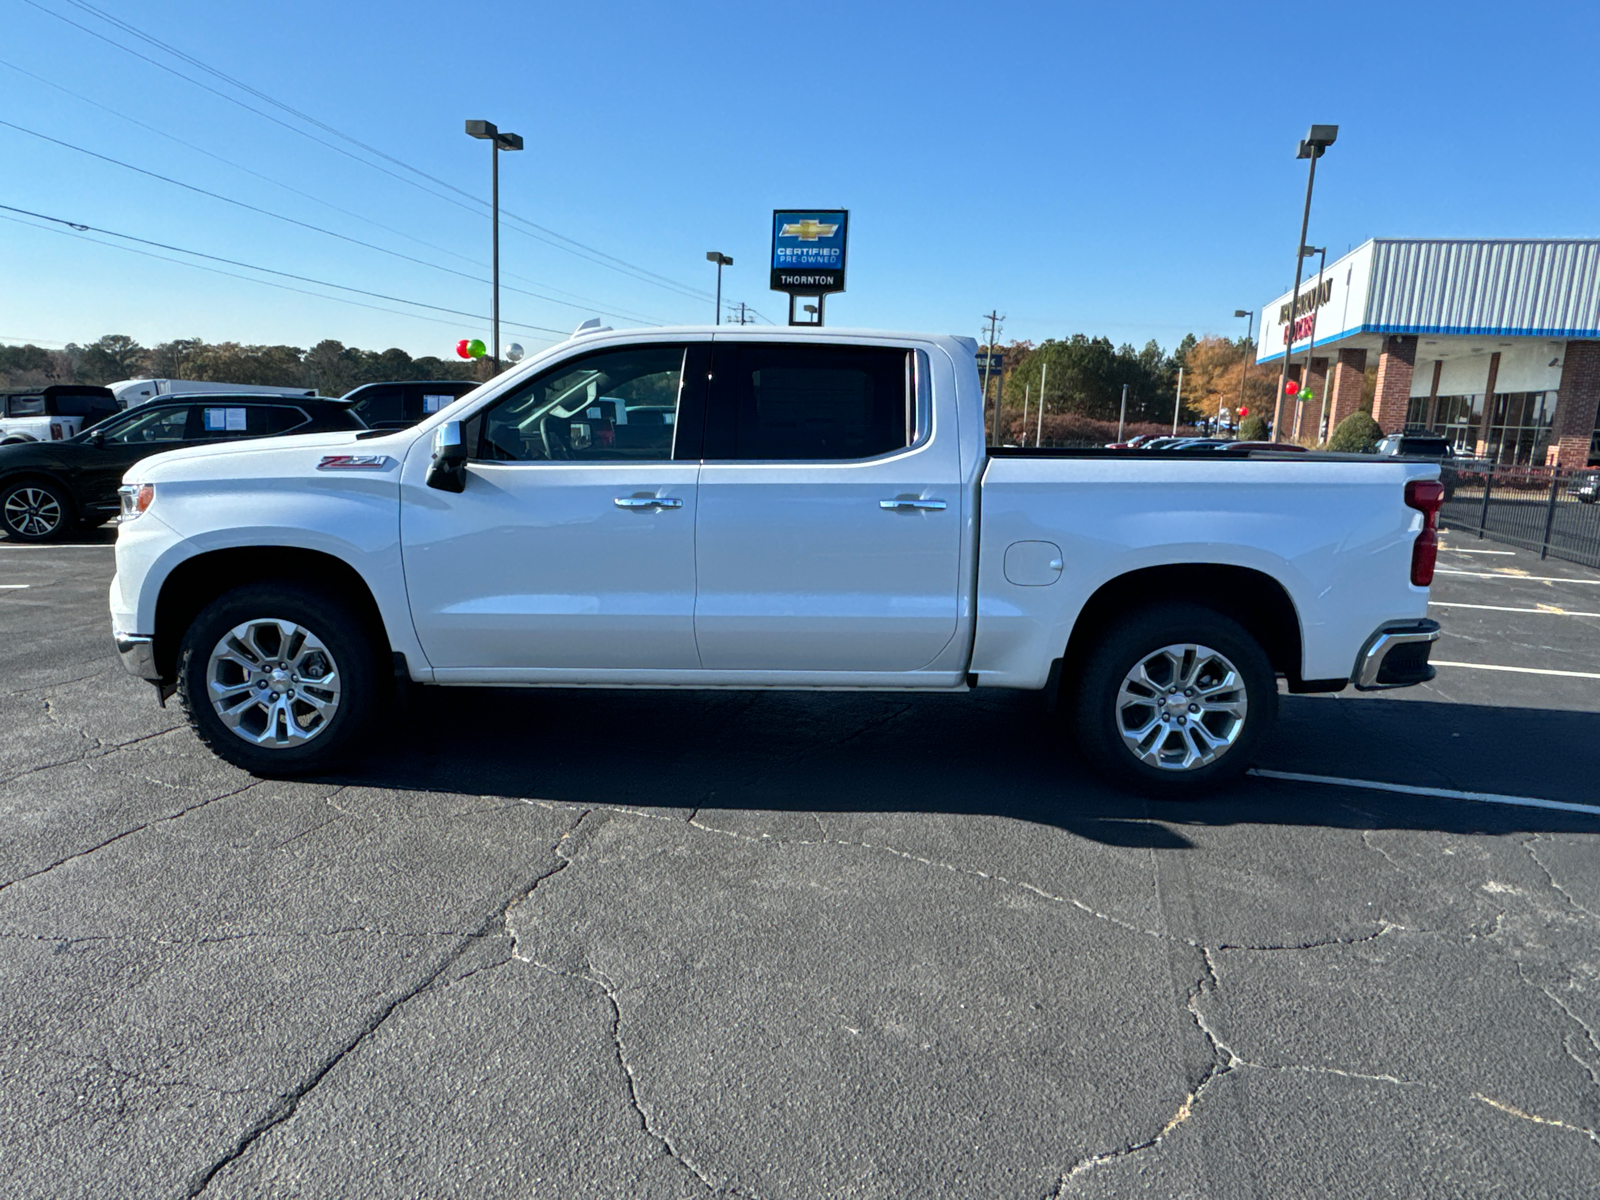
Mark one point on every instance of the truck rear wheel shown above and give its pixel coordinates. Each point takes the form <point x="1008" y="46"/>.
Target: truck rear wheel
<point x="277" y="679"/>
<point x="1174" y="700"/>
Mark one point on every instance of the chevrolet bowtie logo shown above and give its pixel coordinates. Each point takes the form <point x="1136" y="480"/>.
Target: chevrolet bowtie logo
<point x="807" y="230"/>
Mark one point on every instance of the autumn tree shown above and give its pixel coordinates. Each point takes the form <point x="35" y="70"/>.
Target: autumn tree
<point x="1215" y="368"/>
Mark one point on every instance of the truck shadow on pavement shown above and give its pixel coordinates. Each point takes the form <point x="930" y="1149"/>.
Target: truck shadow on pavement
<point x="994" y="754"/>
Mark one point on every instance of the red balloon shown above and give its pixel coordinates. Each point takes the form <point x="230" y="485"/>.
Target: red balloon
<point x="1290" y="388"/>
<point x="1244" y="412"/>
<point x="461" y="348"/>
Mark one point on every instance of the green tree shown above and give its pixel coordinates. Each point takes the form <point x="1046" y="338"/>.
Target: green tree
<point x="1357" y="434"/>
<point x="114" y="357"/>
<point x="1253" y="428"/>
<point x="172" y="360"/>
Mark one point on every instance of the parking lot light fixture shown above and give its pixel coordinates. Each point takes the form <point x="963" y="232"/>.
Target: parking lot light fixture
<point x="1312" y="146"/>
<point x="722" y="260"/>
<point x="498" y="141"/>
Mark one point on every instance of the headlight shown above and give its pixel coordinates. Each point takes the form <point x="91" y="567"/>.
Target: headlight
<point x="135" y="498"/>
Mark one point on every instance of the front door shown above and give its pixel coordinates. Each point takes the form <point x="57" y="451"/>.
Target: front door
<point x="572" y="544"/>
<point x="829" y="532"/>
<point x="99" y="463"/>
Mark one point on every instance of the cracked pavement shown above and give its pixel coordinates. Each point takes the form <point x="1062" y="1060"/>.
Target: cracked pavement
<point x="712" y="944"/>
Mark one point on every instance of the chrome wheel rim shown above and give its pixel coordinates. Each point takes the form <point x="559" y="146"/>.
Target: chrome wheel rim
<point x="1181" y="707"/>
<point x="273" y="683"/>
<point x="32" y="512"/>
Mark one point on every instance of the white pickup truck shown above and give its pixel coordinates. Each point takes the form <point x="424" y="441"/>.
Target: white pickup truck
<point x="765" y="509"/>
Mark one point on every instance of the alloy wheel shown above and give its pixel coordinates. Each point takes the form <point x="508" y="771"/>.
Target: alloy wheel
<point x="32" y="512"/>
<point x="273" y="683"/>
<point x="1181" y="707"/>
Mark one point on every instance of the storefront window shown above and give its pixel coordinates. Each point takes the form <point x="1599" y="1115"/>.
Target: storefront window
<point x="1519" y="427"/>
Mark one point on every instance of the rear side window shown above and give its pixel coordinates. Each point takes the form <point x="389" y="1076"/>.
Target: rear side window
<point x="382" y="406"/>
<point x="787" y="402"/>
<point x="248" y="421"/>
<point x="25" y="406"/>
<point x="83" y="406"/>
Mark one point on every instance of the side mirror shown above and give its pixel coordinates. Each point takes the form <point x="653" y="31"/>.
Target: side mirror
<point x="448" y="471"/>
<point x="97" y="437"/>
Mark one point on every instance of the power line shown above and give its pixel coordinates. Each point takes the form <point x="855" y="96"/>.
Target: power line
<point x="586" y="301"/>
<point x="582" y="249"/>
<point x="344" y="237"/>
<point x="233" y="262"/>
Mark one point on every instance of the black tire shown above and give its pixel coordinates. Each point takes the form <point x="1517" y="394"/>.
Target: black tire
<point x="354" y="662"/>
<point x="1132" y="640"/>
<point x="35" y="510"/>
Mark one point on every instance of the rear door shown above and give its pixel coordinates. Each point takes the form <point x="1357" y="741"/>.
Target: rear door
<point x="829" y="530"/>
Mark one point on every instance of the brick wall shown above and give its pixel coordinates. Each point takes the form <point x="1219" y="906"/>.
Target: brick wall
<point x="1349" y="373"/>
<point x="1576" y="407"/>
<point x="1396" y="362"/>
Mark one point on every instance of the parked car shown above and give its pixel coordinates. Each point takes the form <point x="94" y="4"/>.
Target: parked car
<point x="46" y="488"/>
<point x="1429" y="446"/>
<point x="52" y="414"/>
<point x="1585" y="486"/>
<point x="141" y="391"/>
<point x="760" y="508"/>
<point x="1232" y="447"/>
<point x="397" y="405"/>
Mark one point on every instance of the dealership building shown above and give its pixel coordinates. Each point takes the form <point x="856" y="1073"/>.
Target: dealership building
<point x="1493" y="343"/>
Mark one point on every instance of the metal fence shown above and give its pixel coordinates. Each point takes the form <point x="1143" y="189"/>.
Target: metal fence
<point x="1537" y="508"/>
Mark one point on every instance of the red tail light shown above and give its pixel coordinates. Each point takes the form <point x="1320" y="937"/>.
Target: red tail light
<point x="1425" y="495"/>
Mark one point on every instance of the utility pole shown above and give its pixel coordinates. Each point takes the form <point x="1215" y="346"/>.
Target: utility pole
<point x="1025" y="389"/>
<point x="1312" y="146"/>
<point x="1044" y="373"/>
<point x="1178" y="403"/>
<point x="994" y="320"/>
<point x="1122" y="419"/>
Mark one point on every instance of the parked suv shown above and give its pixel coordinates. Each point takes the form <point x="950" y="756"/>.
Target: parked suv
<point x="54" y="413"/>
<point x="1430" y="446"/>
<point x="48" y="487"/>
<point x="398" y="405"/>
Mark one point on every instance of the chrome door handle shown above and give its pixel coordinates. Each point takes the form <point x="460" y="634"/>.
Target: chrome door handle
<point x="913" y="505"/>
<point x="647" y="502"/>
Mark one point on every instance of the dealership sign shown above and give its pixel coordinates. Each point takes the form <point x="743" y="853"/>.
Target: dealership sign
<point x="1330" y="305"/>
<point x="808" y="248"/>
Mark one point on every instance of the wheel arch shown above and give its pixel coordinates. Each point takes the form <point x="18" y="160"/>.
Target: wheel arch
<point x="197" y="581"/>
<point x="1253" y="598"/>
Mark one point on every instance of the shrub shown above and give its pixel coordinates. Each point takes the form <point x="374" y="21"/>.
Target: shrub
<point x="1253" y="428"/>
<point x="1356" y="434"/>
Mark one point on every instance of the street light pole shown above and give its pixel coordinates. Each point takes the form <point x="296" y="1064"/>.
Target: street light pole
<point x="722" y="260"/>
<point x="1311" y="338"/>
<point x="497" y="142"/>
<point x="1312" y="146"/>
<point x="1250" y="338"/>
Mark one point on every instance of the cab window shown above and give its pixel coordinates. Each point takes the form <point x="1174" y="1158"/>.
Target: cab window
<point x="611" y="406"/>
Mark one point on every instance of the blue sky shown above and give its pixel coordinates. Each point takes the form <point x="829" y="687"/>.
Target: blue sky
<point x="1124" y="169"/>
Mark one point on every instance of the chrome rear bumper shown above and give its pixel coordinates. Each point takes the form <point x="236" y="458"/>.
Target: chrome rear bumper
<point x="1396" y="656"/>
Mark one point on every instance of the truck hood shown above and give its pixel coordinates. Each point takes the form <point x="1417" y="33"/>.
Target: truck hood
<point x="297" y="454"/>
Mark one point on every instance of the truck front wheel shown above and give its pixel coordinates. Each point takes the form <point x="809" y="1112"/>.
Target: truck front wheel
<point x="277" y="679"/>
<point x="1174" y="700"/>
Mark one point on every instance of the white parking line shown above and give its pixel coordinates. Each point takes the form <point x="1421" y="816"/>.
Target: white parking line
<point x="58" y="546"/>
<point x="1439" y="662"/>
<point x="1453" y="550"/>
<point x="1549" y="610"/>
<point x="9" y="587"/>
<point x="1515" y="578"/>
<point x="1441" y="793"/>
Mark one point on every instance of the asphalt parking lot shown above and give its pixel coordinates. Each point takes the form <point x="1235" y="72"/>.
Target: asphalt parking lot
<point x="585" y="944"/>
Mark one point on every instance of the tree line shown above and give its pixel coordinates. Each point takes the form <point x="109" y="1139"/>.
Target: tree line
<point x="330" y="366"/>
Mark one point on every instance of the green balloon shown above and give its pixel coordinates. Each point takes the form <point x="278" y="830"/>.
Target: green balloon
<point x="476" y="348"/>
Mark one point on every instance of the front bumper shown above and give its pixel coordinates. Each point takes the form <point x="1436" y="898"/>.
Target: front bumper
<point x="1396" y="656"/>
<point x="138" y="654"/>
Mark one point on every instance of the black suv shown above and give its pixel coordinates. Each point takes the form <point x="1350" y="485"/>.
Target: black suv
<point x="397" y="405"/>
<point x="48" y="487"/>
<point x="1424" y="445"/>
